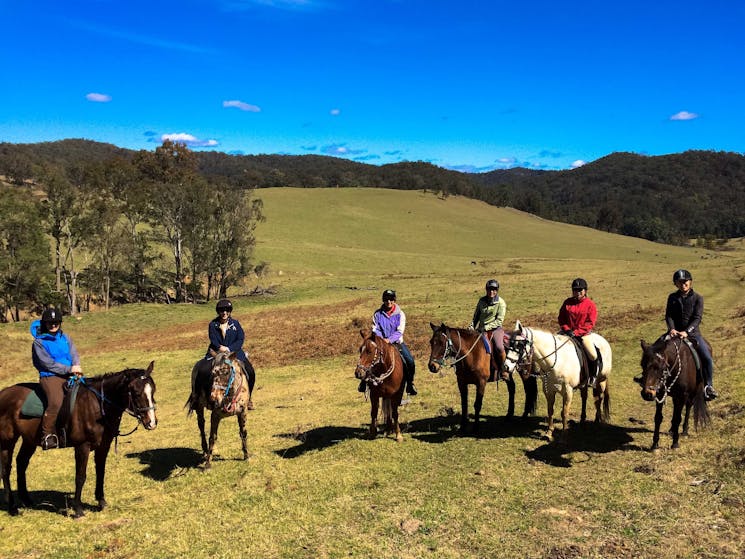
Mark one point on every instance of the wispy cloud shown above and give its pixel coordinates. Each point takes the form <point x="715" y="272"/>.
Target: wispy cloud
<point x="370" y="157"/>
<point x="98" y="97"/>
<point x="341" y="150"/>
<point x="240" y="5"/>
<point x="335" y="112"/>
<point x="242" y="106"/>
<point x="684" y="115"/>
<point x="189" y="140"/>
<point x="578" y="163"/>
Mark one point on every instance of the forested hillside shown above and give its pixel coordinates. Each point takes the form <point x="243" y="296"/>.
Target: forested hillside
<point x="672" y="198"/>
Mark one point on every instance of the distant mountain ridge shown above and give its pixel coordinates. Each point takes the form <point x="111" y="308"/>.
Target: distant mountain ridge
<point x="667" y="198"/>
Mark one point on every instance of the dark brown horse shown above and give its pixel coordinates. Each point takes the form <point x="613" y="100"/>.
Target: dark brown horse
<point x="669" y="369"/>
<point x="219" y="384"/>
<point x="381" y="367"/>
<point x="92" y="425"/>
<point x="472" y="366"/>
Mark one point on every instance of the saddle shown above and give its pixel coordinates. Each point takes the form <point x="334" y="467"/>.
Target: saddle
<point x="585" y="361"/>
<point x="693" y="347"/>
<point x="36" y="402"/>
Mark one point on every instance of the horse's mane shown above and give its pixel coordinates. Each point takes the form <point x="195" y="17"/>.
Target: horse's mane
<point x="105" y="376"/>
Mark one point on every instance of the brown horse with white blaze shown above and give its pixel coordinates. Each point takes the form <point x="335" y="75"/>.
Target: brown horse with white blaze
<point x="380" y="365"/>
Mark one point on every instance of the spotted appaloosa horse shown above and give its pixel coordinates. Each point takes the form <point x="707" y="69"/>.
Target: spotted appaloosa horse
<point x="92" y="425"/>
<point x="669" y="369"/>
<point x="556" y="360"/>
<point x="472" y="366"/>
<point x="219" y="384"/>
<point x="381" y="367"/>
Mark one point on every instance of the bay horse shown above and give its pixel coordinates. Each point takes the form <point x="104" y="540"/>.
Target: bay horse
<point x="669" y="369"/>
<point x="380" y="365"/>
<point x="555" y="359"/>
<point x="472" y="366"/>
<point x="92" y="425"/>
<point x="219" y="384"/>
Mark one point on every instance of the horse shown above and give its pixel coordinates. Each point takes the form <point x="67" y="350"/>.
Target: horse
<point x="220" y="385"/>
<point x="92" y="424"/>
<point x="380" y="365"/>
<point x="669" y="369"/>
<point x="556" y="360"/>
<point x="472" y="366"/>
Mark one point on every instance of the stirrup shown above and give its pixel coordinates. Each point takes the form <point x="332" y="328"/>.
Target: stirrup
<point x="49" y="442"/>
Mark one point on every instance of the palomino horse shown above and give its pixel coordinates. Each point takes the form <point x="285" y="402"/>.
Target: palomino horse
<point x="472" y="366"/>
<point x="555" y="358"/>
<point x="219" y="384"/>
<point x="381" y="367"/>
<point x="668" y="369"/>
<point x="92" y="424"/>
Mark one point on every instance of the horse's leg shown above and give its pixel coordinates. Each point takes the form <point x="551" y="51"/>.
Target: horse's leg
<point x="677" y="412"/>
<point x="684" y="433"/>
<point x="511" y="393"/>
<point x="394" y="414"/>
<point x="200" y="422"/>
<point x="597" y="395"/>
<point x="99" y="457"/>
<point x="374" y="405"/>
<point x="657" y="423"/>
<point x="82" y="452"/>
<point x="530" y="385"/>
<point x="567" y="404"/>
<point x="214" y="424"/>
<point x="6" y="461"/>
<point x="463" y="388"/>
<point x="583" y="415"/>
<point x="480" y="389"/>
<point x="550" y="400"/>
<point x="28" y="447"/>
<point x="244" y="433"/>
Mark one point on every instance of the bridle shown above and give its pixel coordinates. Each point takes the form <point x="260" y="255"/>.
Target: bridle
<point x="378" y="358"/>
<point x="228" y="406"/>
<point x="450" y="350"/>
<point x="522" y="346"/>
<point x="667" y="372"/>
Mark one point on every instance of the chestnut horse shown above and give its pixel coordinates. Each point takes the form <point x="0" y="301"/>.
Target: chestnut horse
<point x="669" y="369"/>
<point x="219" y="384"/>
<point x="92" y="425"/>
<point x="472" y="366"/>
<point x="381" y="367"/>
<point x="555" y="358"/>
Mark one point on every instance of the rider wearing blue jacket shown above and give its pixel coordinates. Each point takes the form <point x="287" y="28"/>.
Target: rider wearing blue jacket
<point x="56" y="358"/>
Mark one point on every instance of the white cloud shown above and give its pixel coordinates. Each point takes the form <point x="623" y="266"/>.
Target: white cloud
<point x="98" y="97"/>
<point x="684" y="115"/>
<point x="341" y="150"/>
<point x="578" y="163"/>
<point x="189" y="140"/>
<point x="242" y="106"/>
<point x="335" y="112"/>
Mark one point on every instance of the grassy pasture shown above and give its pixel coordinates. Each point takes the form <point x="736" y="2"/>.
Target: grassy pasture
<point x="316" y="487"/>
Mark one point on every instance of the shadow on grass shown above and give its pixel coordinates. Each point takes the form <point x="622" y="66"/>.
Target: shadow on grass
<point x="317" y="439"/>
<point x="589" y="438"/>
<point x="163" y="463"/>
<point x="442" y="428"/>
<point x="55" y="502"/>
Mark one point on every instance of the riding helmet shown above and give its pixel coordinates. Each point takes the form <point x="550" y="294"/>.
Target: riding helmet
<point x="579" y="283"/>
<point x="492" y="284"/>
<point x="51" y="315"/>
<point x="224" y="305"/>
<point x="389" y="295"/>
<point x="682" y="275"/>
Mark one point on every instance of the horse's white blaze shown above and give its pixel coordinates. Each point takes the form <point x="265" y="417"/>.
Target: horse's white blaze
<point x="150" y="404"/>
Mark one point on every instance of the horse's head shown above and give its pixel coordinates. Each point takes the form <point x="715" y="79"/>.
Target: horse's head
<point x="440" y="347"/>
<point x="370" y="355"/>
<point x="519" y="351"/>
<point x="141" y="388"/>
<point x="225" y="368"/>
<point x="655" y="369"/>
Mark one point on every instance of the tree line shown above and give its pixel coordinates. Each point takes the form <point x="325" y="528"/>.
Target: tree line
<point x="115" y="221"/>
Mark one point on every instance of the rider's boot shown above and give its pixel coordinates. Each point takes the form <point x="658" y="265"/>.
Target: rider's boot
<point x="410" y="388"/>
<point x="592" y="372"/>
<point x="500" y="365"/>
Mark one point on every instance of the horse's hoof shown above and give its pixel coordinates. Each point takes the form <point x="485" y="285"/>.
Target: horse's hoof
<point x="245" y="455"/>
<point x="675" y="446"/>
<point x="78" y="514"/>
<point x="13" y="511"/>
<point x="102" y="504"/>
<point x="399" y="439"/>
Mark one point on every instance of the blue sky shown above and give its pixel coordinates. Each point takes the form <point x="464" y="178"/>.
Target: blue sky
<point x="467" y="85"/>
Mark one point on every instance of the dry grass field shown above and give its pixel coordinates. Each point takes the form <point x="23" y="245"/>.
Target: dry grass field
<point x="316" y="487"/>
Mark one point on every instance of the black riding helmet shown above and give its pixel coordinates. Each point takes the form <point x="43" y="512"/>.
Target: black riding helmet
<point x="492" y="284"/>
<point x="682" y="275"/>
<point x="579" y="283"/>
<point x="224" y="305"/>
<point x="51" y="315"/>
<point x="389" y="295"/>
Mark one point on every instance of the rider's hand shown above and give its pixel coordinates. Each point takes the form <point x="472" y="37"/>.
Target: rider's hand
<point x="224" y="349"/>
<point x="683" y="334"/>
<point x="76" y="369"/>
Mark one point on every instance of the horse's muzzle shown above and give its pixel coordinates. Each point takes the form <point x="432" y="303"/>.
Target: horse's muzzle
<point x="434" y="367"/>
<point x="360" y="372"/>
<point x="648" y="394"/>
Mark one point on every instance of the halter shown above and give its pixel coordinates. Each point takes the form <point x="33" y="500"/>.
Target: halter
<point x="523" y="346"/>
<point x="230" y="405"/>
<point x="379" y="357"/>
<point x="667" y="372"/>
<point x="449" y="349"/>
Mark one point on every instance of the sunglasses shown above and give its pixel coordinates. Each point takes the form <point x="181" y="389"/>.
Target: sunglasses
<point x="51" y="324"/>
<point x="224" y="310"/>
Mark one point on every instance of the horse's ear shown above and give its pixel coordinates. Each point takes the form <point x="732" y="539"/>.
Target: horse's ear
<point x="363" y="333"/>
<point x="149" y="370"/>
<point x="442" y="325"/>
<point x="432" y="326"/>
<point x="518" y="325"/>
<point x="231" y="355"/>
<point x="644" y="345"/>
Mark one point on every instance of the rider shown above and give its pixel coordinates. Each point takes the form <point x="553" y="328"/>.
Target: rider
<point x="488" y="318"/>
<point x="577" y="317"/>
<point x="389" y="322"/>
<point x="225" y="334"/>
<point x="683" y="314"/>
<point x="56" y="358"/>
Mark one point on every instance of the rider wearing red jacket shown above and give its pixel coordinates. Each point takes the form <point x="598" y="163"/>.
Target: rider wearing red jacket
<point x="577" y="318"/>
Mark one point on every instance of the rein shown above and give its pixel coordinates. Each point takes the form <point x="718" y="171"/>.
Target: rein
<point x="667" y="372"/>
<point x="449" y="346"/>
<point x="229" y="407"/>
<point x="378" y="359"/>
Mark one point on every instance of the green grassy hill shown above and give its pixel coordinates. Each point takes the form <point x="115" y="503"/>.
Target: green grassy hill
<point x="315" y="487"/>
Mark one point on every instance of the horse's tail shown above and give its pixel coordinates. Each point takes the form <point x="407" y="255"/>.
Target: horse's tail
<point x="701" y="417"/>
<point x="387" y="409"/>
<point x="606" y="403"/>
<point x="530" y="385"/>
